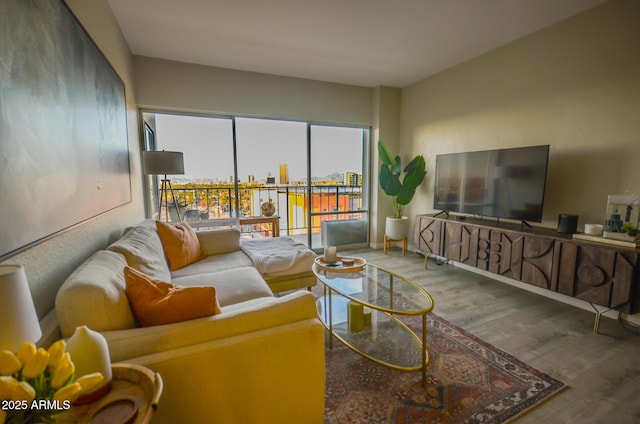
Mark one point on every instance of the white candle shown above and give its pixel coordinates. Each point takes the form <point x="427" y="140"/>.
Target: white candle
<point x="330" y="254"/>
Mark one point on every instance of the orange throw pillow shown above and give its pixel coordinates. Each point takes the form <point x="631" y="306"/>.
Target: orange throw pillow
<point x="180" y="243"/>
<point x="155" y="302"/>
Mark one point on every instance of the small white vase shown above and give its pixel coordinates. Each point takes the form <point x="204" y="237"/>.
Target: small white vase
<point x="89" y="353"/>
<point x="396" y="228"/>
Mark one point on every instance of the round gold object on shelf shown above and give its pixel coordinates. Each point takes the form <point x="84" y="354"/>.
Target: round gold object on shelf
<point x="268" y="209"/>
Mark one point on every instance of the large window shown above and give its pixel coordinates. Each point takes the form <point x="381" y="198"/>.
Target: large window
<point x="272" y="168"/>
<point x="337" y="158"/>
<point x="303" y="173"/>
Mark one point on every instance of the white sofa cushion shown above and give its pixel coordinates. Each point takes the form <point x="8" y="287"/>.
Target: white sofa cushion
<point x="214" y="263"/>
<point x="143" y="250"/>
<point x="232" y="286"/>
<point x="94" y="295"/>
<point x="216" y="242"/>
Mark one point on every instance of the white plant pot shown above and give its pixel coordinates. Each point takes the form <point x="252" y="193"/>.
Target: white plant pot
<point x="396" y="228"/>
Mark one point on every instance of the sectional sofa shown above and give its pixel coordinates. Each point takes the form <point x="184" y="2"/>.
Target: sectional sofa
<point x="260" y="360"/>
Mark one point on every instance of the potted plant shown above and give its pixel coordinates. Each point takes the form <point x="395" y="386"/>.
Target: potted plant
<point x="400" y="190"/>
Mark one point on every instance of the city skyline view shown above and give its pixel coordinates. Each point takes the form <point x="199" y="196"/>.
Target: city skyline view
<point x="262" y="146"/>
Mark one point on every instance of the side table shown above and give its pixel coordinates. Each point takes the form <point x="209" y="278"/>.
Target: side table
<point x="134" y="395"/>
<point x="273" y="220"/>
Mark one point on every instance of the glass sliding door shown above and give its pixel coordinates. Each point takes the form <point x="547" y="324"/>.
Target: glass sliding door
<point x="272" y="171"/>
<point x="207" y="189"/>
<point x="312" y="179"/>
<point x="339" y="202"/>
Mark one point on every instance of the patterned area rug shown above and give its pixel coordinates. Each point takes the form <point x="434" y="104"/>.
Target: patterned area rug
<point x="468" y="381"/>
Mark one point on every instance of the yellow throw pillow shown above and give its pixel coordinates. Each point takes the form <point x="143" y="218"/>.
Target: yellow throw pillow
<point x="155" y="302"/>
<point x="180" y="243"/>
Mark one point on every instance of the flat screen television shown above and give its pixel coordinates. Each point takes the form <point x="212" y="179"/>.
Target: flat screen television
<point x="502" y="183"/>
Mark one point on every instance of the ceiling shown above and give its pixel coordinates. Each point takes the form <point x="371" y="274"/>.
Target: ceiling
<point x="360" y="42"/>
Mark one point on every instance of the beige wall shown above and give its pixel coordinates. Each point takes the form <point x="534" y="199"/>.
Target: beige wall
<point x="49" y="263"/>
<point x="168" y="85"/>
<point x="386" y="127"/>
<point x="574" y="85"/>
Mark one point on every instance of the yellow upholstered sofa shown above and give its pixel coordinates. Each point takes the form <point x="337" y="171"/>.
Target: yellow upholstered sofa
<point x="261" y="360"/>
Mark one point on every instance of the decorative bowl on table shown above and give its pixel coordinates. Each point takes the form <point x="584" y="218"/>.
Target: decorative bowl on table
<point x="343" y="264"/>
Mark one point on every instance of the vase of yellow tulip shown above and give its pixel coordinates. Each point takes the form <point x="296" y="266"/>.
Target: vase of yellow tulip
<point x="36" y="383"/>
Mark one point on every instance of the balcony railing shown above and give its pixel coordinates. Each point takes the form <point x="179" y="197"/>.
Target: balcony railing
<point x="203" y="202"/>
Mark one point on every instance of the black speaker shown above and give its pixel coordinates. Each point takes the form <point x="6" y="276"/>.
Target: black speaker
<point x="567" y="224"/>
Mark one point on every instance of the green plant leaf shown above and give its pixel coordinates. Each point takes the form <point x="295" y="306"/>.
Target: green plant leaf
<point x="396" y="169"/>
<point x="385" y="157"/>
<point x="391" y="170"/>
<point x="405" y="195"/>
<point x="389" y="182"/>
<point x="416" y="166"/>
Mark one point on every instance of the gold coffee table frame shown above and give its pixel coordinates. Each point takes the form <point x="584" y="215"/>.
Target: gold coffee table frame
<point x="388" y="286"/>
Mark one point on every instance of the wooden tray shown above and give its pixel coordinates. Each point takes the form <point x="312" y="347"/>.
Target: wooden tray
<point x="358" y="264"/>
<point x="134" y="395"/>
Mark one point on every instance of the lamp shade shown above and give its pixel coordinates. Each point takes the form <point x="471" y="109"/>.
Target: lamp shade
<point x="18" y="318"/>
<point x="163" y="162"/>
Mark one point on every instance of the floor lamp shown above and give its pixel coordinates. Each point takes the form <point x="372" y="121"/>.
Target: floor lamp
<point x="164" y="163"/>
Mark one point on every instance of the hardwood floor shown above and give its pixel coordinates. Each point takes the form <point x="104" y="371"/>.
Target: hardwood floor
<point x="602" y="370"/>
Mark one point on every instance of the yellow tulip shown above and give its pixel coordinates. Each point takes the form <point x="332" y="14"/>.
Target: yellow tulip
<point x="24" y="391"/>
<point x="90" y="382"/>
<point x="7" y="386"/>
<point x="63" y="371"/>
<point x="9" y="363"/>
<point x="56" y="352"/>
<point x="70" y="393"/>
<point x="26" y="352"/>
<point x="36" y="365"/>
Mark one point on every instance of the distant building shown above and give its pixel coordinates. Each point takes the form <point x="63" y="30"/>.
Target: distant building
<point x="251" y="178"/>
<point x="353" y="179"/>
<point x="284" y="173"/>
<point x="271" y="180"/>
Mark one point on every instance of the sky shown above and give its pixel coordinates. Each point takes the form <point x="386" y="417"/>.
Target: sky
<point x="262" y="145"/>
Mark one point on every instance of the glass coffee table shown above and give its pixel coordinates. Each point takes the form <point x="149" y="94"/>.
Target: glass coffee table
<point x="361" y="309"/>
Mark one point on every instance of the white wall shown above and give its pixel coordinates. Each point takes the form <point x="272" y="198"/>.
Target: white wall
<point x="168" y="85"/>
<point x="574" y="85"/>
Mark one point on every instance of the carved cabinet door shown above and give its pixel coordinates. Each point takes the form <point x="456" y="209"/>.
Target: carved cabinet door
<point x="505" y="257"/>
<point x="461" y="243"/>
<point x="598" y="275"/>
<point x="427" y="235"/>
<point x="537" y="262"/>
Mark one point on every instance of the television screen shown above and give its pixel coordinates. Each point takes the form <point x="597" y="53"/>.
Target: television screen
<point x="503" y="183"/>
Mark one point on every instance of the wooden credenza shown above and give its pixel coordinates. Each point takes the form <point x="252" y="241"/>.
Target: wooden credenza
<point x="601" y="274"/>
